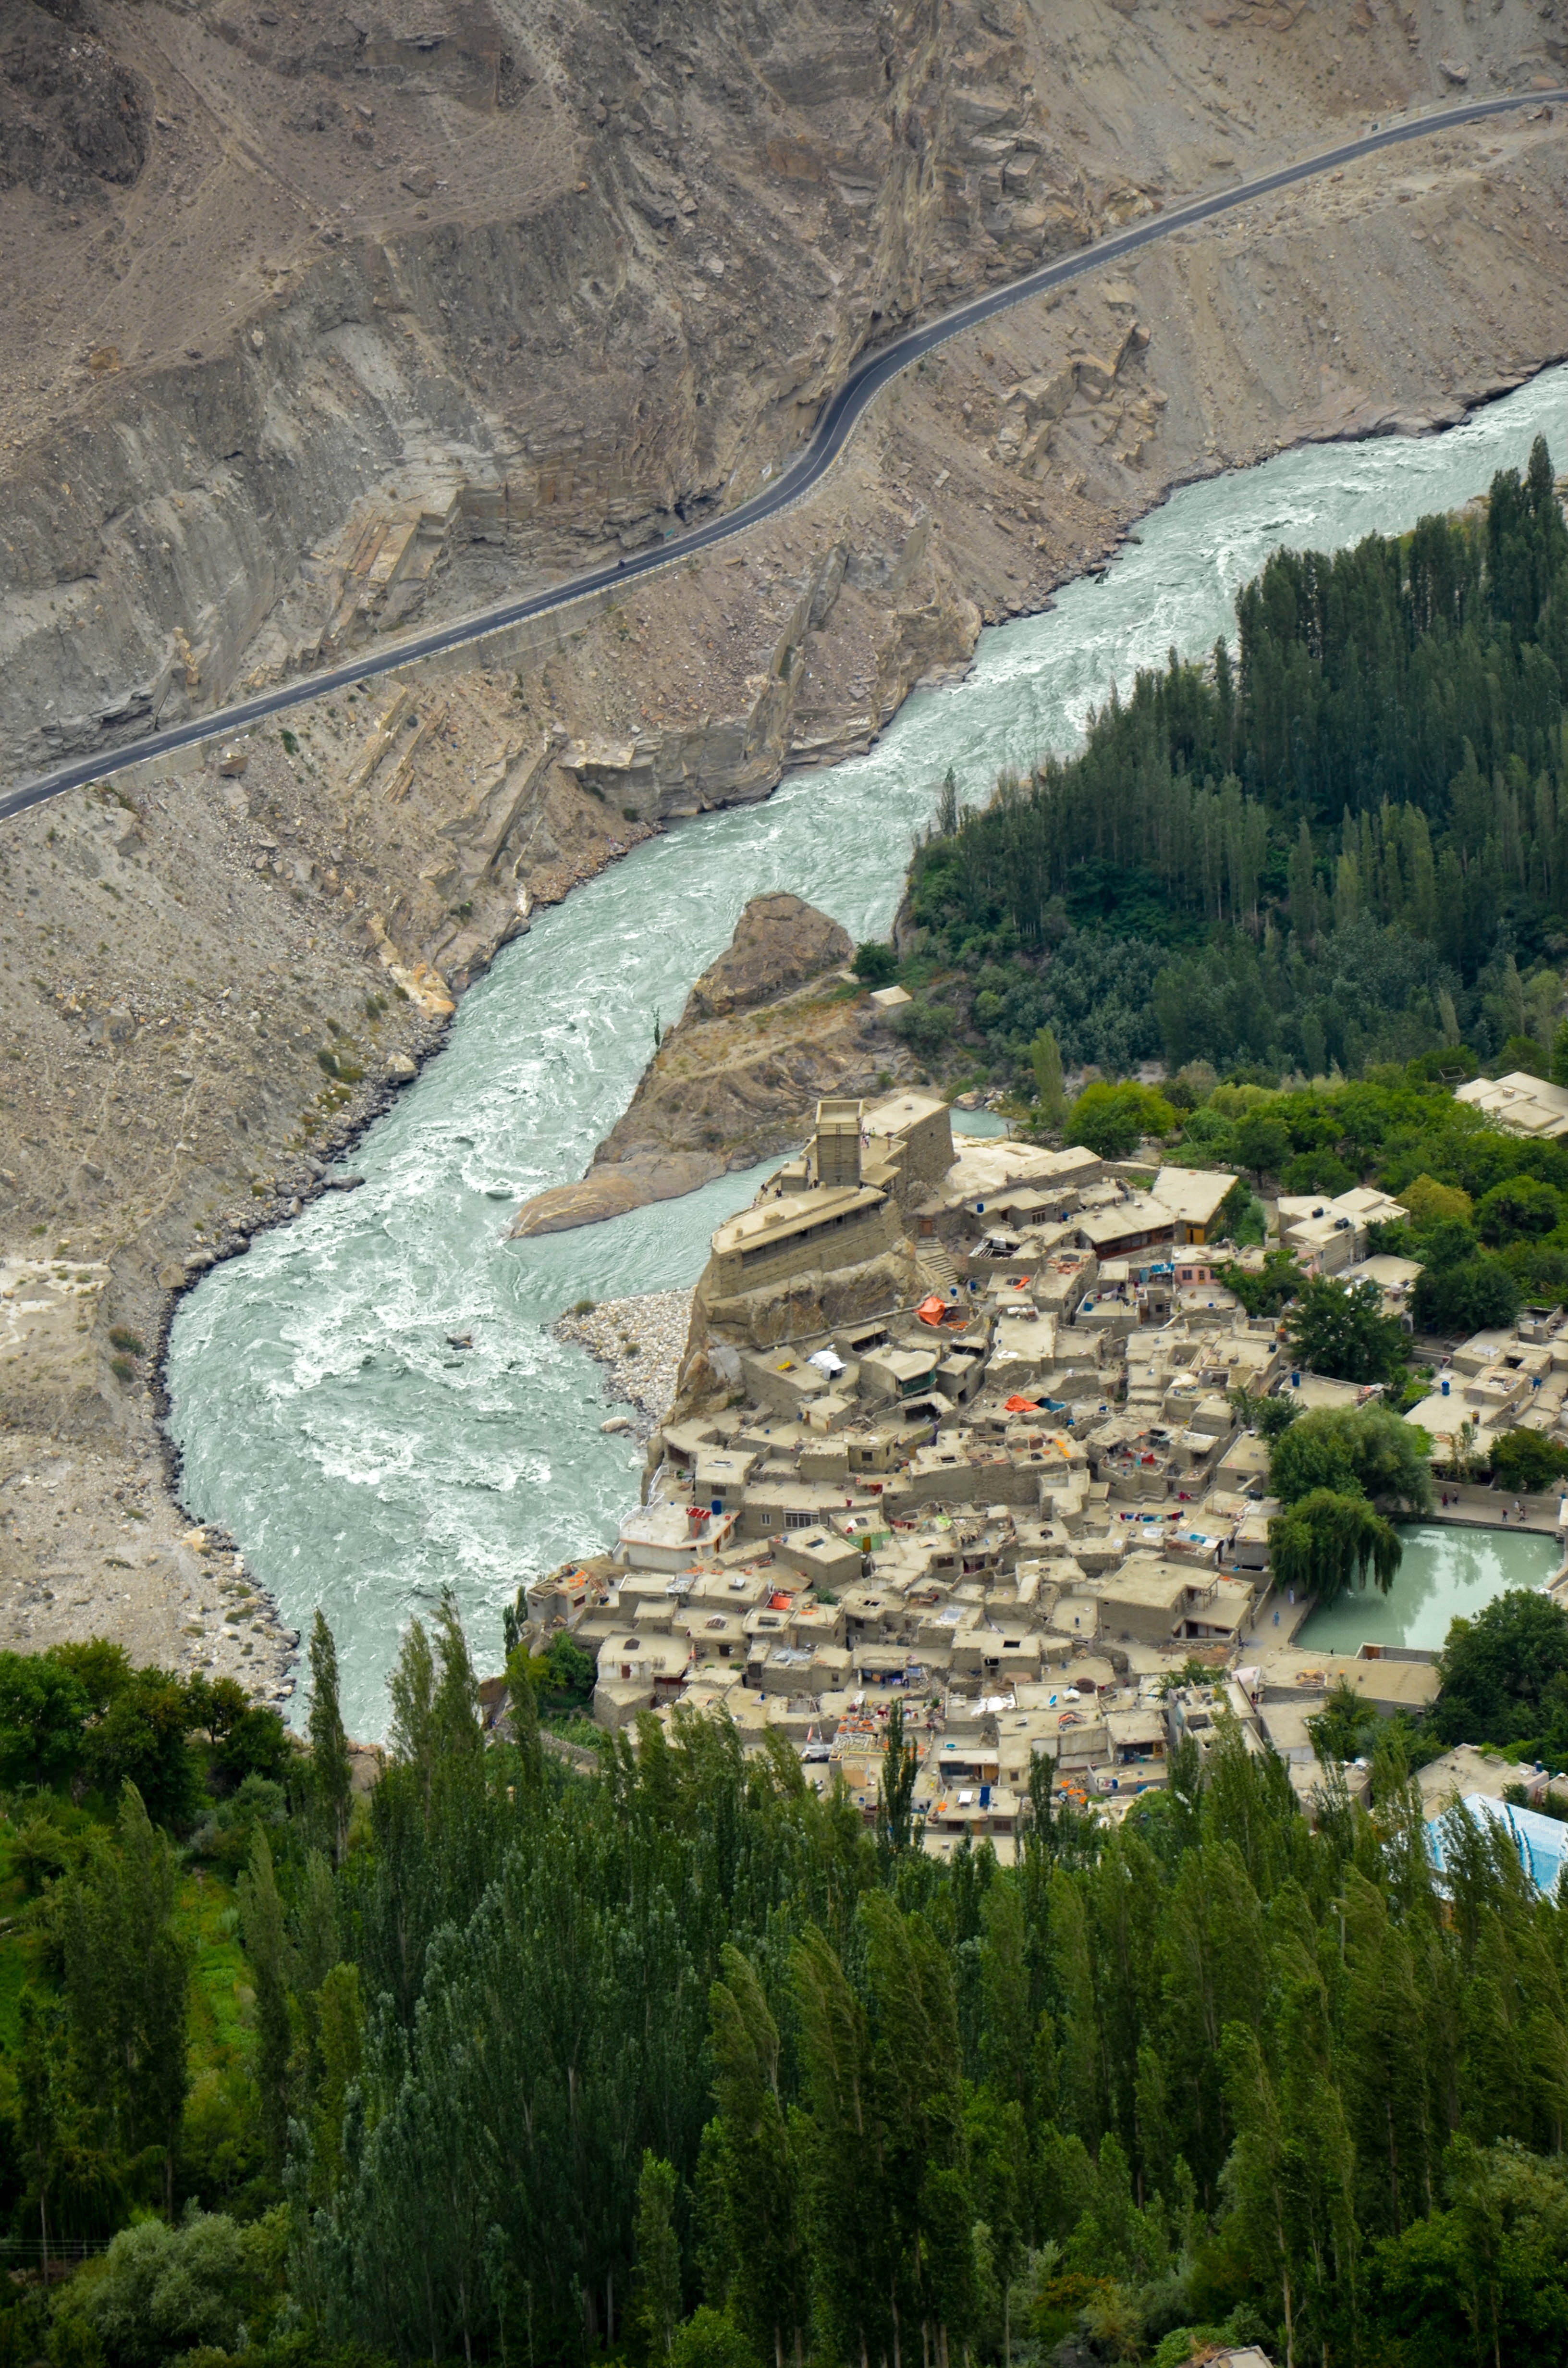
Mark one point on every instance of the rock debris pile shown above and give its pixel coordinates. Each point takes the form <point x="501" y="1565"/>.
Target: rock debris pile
<point x="640" y="1343"/>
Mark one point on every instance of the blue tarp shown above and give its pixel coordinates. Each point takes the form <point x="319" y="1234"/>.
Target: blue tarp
<point x="1541" y="1842"/>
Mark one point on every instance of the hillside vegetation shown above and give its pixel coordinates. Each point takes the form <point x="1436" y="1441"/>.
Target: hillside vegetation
<point x="1346" y="843"/>
<point x="684" y="2062"/>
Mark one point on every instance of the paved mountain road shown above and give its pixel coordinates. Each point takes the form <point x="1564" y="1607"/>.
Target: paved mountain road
<point x="832" y="433"/>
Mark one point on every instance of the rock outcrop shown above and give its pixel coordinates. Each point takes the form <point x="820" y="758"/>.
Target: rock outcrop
<point x="71" y="114"/>
<point x="766" y="1031"/>
<point x="780" y="943"/>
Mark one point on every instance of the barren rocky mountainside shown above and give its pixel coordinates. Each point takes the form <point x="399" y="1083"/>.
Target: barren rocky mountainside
<point x="317" y="322"/>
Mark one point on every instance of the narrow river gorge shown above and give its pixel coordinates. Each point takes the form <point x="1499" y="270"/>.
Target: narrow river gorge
<point x="360" y="1460"/>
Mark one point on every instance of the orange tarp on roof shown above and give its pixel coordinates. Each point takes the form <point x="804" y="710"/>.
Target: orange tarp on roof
<point x="932" y="1309"/>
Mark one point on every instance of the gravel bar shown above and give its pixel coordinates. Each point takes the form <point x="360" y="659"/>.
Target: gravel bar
<point x="640" y="1342"/>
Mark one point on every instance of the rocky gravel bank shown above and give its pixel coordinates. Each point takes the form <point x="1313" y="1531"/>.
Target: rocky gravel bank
<point x="640" y="1343"/>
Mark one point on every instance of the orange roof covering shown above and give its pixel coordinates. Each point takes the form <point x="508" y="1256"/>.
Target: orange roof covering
<point x="1021" y="1406"/>
<point x="932" y="1309"/>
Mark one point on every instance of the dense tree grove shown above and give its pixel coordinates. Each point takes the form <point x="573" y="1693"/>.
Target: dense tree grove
<point x="684" y="2062"/>
<point x="1348" y="842"/>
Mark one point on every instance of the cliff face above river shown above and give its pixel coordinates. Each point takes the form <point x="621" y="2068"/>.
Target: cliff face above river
<point x="769" y="1029"/>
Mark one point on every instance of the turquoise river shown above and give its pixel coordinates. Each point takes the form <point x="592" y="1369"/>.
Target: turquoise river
<point x="321" y="1417"/>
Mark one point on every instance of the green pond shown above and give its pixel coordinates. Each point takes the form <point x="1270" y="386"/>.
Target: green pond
<point x="1446" y="1573"/>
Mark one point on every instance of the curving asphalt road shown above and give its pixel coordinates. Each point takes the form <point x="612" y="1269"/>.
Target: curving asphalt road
<point x="833" y="431"/>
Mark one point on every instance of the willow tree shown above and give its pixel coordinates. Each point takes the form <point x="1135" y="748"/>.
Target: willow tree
<point x="1328" y="1542"/>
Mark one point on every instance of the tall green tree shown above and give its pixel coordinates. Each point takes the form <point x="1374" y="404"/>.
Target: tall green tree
<point x="758" y="2180"/>
<point x="43" y="1710"/>
<point x="657" y="2290"/>
<point x="127" y="1986"/>
<point x="331" y="1769"/>
<point x="853" y="2250"/>
<point x="271" y="1958"/>
<point x="43" y="2103"/>
<point x="1328" y="1542"/>
<point x="1010" y="2027"/>
<point x="1343" y="1333"/>
<point x="1498" y="1668"/>
<point x="895" y="1791"/>
<point x="1045" y="1059"/>
<point x="1367" y="1452"/>
<point x="415" y="1731"/>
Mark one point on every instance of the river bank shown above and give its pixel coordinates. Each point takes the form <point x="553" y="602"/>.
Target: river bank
<point x="641" y="1343"/>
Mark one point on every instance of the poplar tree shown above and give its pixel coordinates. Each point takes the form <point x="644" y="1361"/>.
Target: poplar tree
<point x="267" y="1947"/>
<point x="895" y="1791"/>
<point x="127" y="1983"/>
<point x="341" y="2022"/>
<point x="1045" y="1058"/>
<point x="330" y="1770"/>
<point x="852" y="2266"/>
<point x="1383" y="2065"/>
<point x="1078" y="2038"/>
<point x="412" y="1691"/>
<point x="758" y="2178"/>
<point x="1009" y="2027"/>
<point x="656" y="2288"/>
<point x="42" y="2102"/>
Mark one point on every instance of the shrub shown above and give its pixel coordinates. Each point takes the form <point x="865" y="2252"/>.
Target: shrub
<point x="1526" y="1461"/>
<point x="1506" y="1672"/>
<point x="709" y="2339"/>
<point x="925" y="1027"/>
<point x="1469" y="1296"/>
<point x="1518" y="1209"/>
<point x="876" y="963"/>
<point x="1272" y="1416"/>
<point x="226" y="1835"/>
<point x="122" y="1337"/>
<point x="1272" y="1287"/>
<point x="1111" y="1120"/>
<point x="159" y="2291"/>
